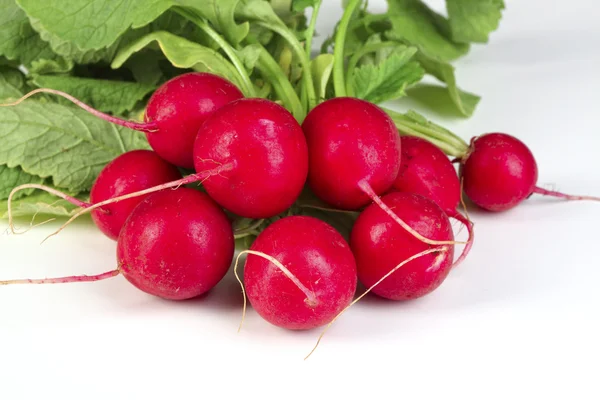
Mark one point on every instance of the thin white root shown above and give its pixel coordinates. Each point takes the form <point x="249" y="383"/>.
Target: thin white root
<point x="365" y="187"/>
<point x="418" y="255"/>
<point x="310" y="296"/>
<point x="45" y="188"/>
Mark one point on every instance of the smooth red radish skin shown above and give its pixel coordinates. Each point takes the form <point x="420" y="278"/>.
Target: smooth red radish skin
<point x="350" y="141"/>
<point x="267" y="148"/>
<point x="379" y="245"/>
<point x="317" y="256"/>
<point x="180" y="107"/>
<point x="427" y="171"/>
<point x="499" y="172"/>
<point x="176" y="244"/>
<point x="130" y="172"/>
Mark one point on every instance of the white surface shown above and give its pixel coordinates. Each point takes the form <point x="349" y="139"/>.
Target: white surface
<point x="519" y="319"/>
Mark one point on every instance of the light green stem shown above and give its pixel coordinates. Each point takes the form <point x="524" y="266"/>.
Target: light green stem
<point x="339" y="82"/>
<point x="248" y="88"/>
<point x="307" y="80"/>
<point x="272" y="72"/>
<point x="310" y="31"/>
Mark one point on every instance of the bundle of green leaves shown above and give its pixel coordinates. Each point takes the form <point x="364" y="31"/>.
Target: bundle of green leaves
<point x="113" y="54"/>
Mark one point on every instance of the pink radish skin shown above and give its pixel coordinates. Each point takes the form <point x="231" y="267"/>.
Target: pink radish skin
<point x="317" y="256"/>
<point x="350" y="141"/>
<point x="427" y="171"/>
<point x="267" y="148"/>
<point x="499" y="172"/>
<point x="130" y="172"/>
<point x="176" y="244"/>
<point x="379" y="245"/>
<point x="179" y="108"/>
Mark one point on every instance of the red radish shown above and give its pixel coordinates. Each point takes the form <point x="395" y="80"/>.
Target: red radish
<point x="267" y="147"/>
<point x="130" y="172"/>
<point x="427" y="171"/>
<point x="354" y="155"/>
<point x="350" y="141"/>
<point x="500" y="172"/>
<point x="176" y="244"/>
<point x="251" y="156"/>
<point x="175" y="112"/>
<point x="300" y="273"/>
<point x="379" y="245"/>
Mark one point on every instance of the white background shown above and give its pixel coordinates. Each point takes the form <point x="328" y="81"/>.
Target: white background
<point x="519" y="319"/>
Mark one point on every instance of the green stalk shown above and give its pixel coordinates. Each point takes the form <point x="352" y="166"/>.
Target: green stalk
<point x="310" y="31"/>
<point x="248" y="88"/>
<point x="271" y="71"/>
<point x="447" y="141"/>
<point x="339" y="82"/>
<point x="304" y="61"/>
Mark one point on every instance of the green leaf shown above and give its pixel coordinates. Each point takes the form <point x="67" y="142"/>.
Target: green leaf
<point x="114" y="97"/>
<point x="12" y="83"/>
<point x="414" y="22"/>
<point x="465" y="102"/>
<point x="389" y="78"/>
<point x="19" y="41"/>
<point x="13" y="177"/>
<point x="145" y="67"/>
<point x="58" y="65"/>
<point x="92" y="24"/>
<point x="182" y="54"/>
<point x="62" y="142"/>
<point x="321" y="68"/>
<point x="40" y="203"/>
<point x="473" y="20"/>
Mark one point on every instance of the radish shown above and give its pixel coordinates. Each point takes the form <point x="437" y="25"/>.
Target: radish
<point x="267" y="148"/>
<point x="176" y="244"/>
<point x="174" y="113"/>
<point x="379" y="245"/>
<point x="499" y="172"/>
<point x="130" y="172"/>
<point x="427" y="171"/>
<point x="251" y="156"/>
<point x="354" y="155"/>
<point x="300" y="273"/>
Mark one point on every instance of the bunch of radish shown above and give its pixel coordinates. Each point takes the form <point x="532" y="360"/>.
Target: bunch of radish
<point x="253" y="159"/>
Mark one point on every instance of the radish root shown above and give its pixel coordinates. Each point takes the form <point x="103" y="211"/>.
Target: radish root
<point x="466" y="221"/>
<point x="418" y="255"/>
<point x="64" y="279"/>
<point x="143" y="127"/>
<point x="311" y="298"/>
<point x="48" y="189"/>
<point x="199" y="177"/>
<point x="560" y="195"/>
<point x="365" y="187"/>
